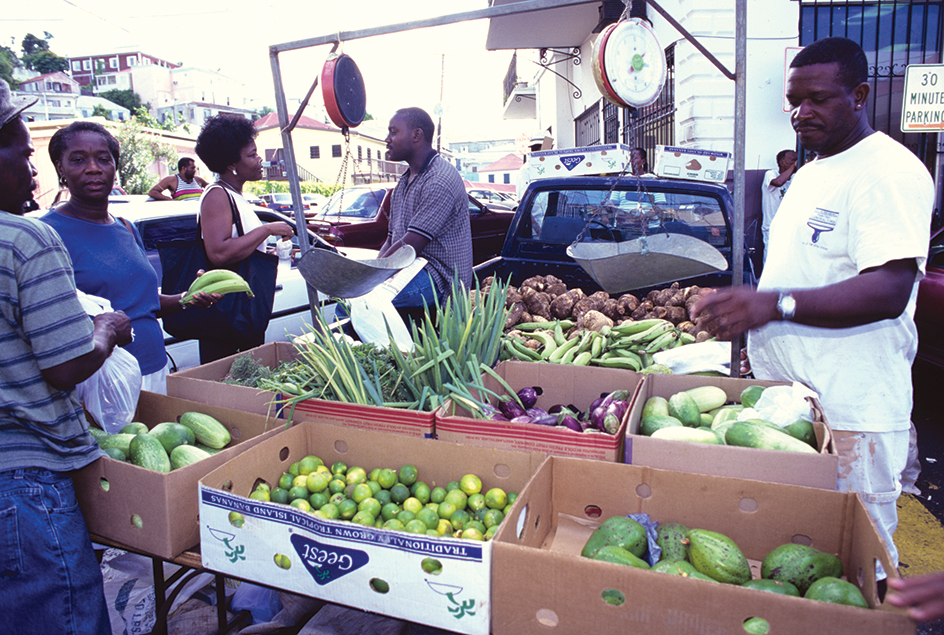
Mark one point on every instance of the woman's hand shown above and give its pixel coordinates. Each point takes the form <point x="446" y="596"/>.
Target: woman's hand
<point x="202" y="300"/>
<point x="280" y="229"/>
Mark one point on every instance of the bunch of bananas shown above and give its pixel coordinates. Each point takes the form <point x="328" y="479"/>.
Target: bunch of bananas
<point x="221" y="281"/>
<point x="628" y="345"/>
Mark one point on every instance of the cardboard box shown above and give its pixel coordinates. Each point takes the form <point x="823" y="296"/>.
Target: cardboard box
<point x="539" y="579"/>
<point x="793" y="468"/>
<point x="692" y="164"/>
<point x="602" y="159"/>
<point x="203" y="384"/>
<point x="563" y="384"/>
<point x="114" y="495"/>
<point x="342" y="562"/>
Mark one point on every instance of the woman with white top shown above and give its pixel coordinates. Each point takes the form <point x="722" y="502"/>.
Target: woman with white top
<point x="227" y="146"/>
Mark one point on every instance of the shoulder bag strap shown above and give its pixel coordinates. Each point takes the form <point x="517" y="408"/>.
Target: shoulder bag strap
<point x="237" y="219"/>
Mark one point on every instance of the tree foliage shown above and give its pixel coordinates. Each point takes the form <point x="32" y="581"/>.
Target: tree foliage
<point x="38" y="57"/>
<point x="140" y="148"/>
<point x="100" y="111"/>
<point x="127" y="98"/>
<point x="8" y="62"/>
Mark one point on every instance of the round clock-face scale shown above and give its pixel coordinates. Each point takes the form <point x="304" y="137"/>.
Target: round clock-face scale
<point x="633" y="63"/>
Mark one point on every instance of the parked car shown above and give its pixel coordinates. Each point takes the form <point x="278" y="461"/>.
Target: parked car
<point x="493" y="199"/>
<point x="358" y="215"/>
<point x="315" y="201"/>
<point x="281" y="202"/>
<point x="159" y="222"/>
<point x="929" y="312"/>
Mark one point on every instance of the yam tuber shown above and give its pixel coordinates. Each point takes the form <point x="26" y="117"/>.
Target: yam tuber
<point x="593" y="321"/>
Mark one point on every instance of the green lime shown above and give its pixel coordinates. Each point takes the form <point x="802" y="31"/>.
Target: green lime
<point x="383" y="496"/>
<point x="451" y="485"/>
<point x="293" y="469"/>
<point x="474" y="524"/>
<point x="298" y="492"/>
<point x="371" y="506"/>
<point x="308" y="465"/>
<point x="361" y="491"/>
<point x="379" y="522"/>
<point x="339" y="468"/>
<point x="493" y="517"/>
<point x="337" y="499"/>
<point x="282" y="561"/>
<point x="373" y="474"/>
<point x="300" y="481"/>
<point x="263" y="487"/>
<point x="432" y="506"/>
<point x="407" y="475"/>
<point x="346" y="509"/>
<point x="329" y="511"/>
<point x="437" y="495"/>
<point x="356" y="475"/>
<point x="472" y="533"/>
<point x="390" y="510"/>
<point x="387" y="478"/>
<point x="336" y="485"/>
<point x="490" y="532"/>
<point x="349" y="489"/>
<point x="301" y="504"/>
<point x="459" y="519"/>
<point x="399" y="493"/>
<point x="279" y="495"/>
<point x="479" y="514"/>
<point x="429" y="517"/>
<point x="394" y="524"/>
<point x="285" y="481"/>
<point x="446" y="509"/>
<point x="458" y="498"/>
<point x="507" y="509"/>
<point x="406" y="516"/>
<point x="416" y="526"/>
<point x="316" y="482"/>
<point x="413" y="505"/>
<point x="444" y="528"/>
<point x="236" y="519"/>
<point x="363" y="518"/>
<point x="317" y="500"/>
<point x="512" y="497"/>
<point x="431" y="565"/>
<point x="374" y="487"/>
<point x="476" y="501"/>
<point x="421" y="491"/>
<point x="470" y="484"/>
<point x="496" y="498"/>
<point x="380" y="586"/>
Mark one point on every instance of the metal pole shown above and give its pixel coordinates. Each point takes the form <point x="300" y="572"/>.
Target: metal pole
<point x="740" y="111"/>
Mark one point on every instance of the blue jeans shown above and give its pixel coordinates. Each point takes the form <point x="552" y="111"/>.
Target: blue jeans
<point x="417" y="290"/>
<point x="50" y="580"/>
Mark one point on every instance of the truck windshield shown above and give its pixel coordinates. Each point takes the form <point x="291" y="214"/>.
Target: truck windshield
<point x="560" y="216"/>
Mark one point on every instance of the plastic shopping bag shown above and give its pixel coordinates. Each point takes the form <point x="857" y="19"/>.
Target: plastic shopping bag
<point x="111" y="394"/>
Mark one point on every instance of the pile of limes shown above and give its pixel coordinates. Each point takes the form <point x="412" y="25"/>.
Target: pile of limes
<point x="390" y="499"/>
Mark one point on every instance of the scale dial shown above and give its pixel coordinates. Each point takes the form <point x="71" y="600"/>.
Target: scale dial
<point x="633" y="63"/>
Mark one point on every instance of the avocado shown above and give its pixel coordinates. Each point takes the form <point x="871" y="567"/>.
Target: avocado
<point x="619" y="531"/>
<point x="830" y="589"/>
<point x="718" y="557"/>
<point x="773" y="586"/>
<point x="683" y="568"/>
<point x="800" y="565"/>
<point x="618" y="555"/>
<point x="669" y="537"/>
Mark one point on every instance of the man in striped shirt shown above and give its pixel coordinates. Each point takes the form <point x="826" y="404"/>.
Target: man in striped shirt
<point x="182" y="186"/>
<point x="50" y="581"/>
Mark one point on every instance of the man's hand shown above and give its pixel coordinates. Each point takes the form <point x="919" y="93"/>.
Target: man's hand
<point x="110" y="330"/>
<point x="923" y="595"/>
<point x="114" y="327"/>
<point x="729" y="313"/>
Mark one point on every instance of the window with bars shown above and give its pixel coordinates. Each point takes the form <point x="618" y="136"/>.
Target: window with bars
<point x="314" y="152"/>
<point x="336" y="151"/>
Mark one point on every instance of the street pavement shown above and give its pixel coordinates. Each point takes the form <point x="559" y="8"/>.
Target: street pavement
<point x="920" y="534"/>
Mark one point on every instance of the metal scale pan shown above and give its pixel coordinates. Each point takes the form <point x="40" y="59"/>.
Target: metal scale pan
<point x="646" y="261"/>
<point x="338" y="276"/>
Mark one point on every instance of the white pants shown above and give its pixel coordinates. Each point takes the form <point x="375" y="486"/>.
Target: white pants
<point x="156" y="381"/>
<point x="871" y="464"/>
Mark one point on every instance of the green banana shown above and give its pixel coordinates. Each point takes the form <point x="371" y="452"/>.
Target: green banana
<point x="210" y="277"/>
<point x="559" y="336"/>
<point x="520" y="351"/>
<point x="561" y="350"/>
<point x="582" y="359"/>
<point x="548" y="343"/>
<point x="229" y="284"/>
<point x="618" y="362"/>
<point x="661" y="342"/>
<point x="649" y="334"/>
<point x="596" y="346"/>
<point x="630" y="327"/>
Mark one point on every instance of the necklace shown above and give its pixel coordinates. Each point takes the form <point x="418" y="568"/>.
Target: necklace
<point x="225" y="184"/>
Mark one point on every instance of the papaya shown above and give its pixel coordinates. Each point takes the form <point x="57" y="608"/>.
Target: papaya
<point x="772" y="586"/>
<point x="619" y="531"/>
<point x="618" y="555"/>
<point x="831" y="589"/>
<point x="718" y="557"/>
<point x="670" y="537"/>
<point x="800" y="565"/>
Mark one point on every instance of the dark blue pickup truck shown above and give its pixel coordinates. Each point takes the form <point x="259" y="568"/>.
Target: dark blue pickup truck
<point x="557" y="213"/>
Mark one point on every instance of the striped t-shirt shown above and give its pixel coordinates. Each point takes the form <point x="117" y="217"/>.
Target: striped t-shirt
<point x="186" y="190"/>
<point x="43" y="325"/>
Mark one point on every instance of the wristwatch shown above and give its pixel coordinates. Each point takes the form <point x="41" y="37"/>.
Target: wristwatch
<point x="786" y="306"/>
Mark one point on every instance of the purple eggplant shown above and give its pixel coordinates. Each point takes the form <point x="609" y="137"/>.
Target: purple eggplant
<point x="528" y="396"/>
<point x="510" y="408"/>
<point x="536" y="412"/>
<point x="569" y="422"/>
<point x="546" y="419"/>
<point x="596" y="403"/>
<point x="614" y="415"/>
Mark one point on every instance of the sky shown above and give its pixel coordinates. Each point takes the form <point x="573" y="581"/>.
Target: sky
<point x="445" y="65"/>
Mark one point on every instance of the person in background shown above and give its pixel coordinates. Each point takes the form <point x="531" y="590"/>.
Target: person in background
<point x="525" y="173"/>
<point x="834" y="306"/>
<point x="50" y="581"/>
<point x="182" y="186"/>
<point x="107" y="252"/>
<point x="227" y="146"/>
<point x="429" y="211"/>
<point x="640" y="162"/>
<point x="775" y="185"/>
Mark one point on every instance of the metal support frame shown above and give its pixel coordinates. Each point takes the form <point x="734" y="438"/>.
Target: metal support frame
<point x="572" y="55"/>
<point x="528" y="6"/>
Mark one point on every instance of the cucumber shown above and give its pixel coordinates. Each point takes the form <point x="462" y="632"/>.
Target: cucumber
<point x="97" y="433"/>
<point x="707" y="398"/>
<point x="184" y="455"/>
<point x="207" y="448"/>
<point x="135" y="427"/>
<point x="727" y="413"/>
<point x="753" y="434"/>
<point x="121" y="441"/>
<point x="206" y="429"/>
<point x="147" y="452"/>
<point x="171" y="434"/>
<point x="802" y="430"/>
<point x="750" y="395"/>
<point x="655" y="406"/>
<point x="116" y="454"/>
<point x="693" y="435"/>
<point x="684" y="408"/>
<point x="654" y="422"/>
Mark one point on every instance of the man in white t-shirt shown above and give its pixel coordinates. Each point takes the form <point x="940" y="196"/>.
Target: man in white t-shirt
<point x="835" y="304"/>
<point x="775" y="185"/>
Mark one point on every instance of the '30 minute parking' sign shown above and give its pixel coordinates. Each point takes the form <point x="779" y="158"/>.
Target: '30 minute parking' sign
<point x="923" y="101"/>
